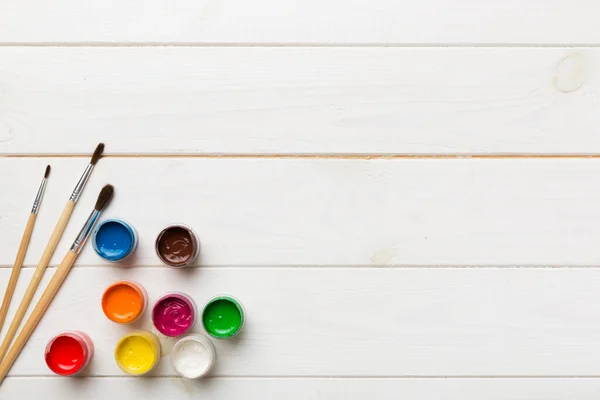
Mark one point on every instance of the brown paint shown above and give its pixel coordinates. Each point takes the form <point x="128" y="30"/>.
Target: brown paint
<point x="175" y="246"/>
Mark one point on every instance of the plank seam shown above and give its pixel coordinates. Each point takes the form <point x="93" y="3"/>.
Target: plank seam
<point x="324" y="267"/>
<point x="295" y="156"/>
<point x="340" y="377"/>
<point x="300" y="45"/>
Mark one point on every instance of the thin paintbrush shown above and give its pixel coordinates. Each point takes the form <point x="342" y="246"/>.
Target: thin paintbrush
<point x="16" y="270"/>
<point x="55" y="283"/>
<point x="49" y="251"/>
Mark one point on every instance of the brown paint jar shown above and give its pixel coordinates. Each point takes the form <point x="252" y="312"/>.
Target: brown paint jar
<point x="177" y="246"/>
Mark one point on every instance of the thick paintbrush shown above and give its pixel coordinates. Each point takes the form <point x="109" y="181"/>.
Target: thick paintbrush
<point x="49" y="251"/>
<point x="16" y="270"/>
<point x="55" y="283"/>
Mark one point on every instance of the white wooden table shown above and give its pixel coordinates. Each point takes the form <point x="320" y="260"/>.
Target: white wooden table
<point x="404" y="196"/>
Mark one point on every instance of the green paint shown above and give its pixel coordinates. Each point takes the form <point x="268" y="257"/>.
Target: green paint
<point x="223" y="317"/>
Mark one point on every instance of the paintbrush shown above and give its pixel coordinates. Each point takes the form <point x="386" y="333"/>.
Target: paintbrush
<point x="16" y="270"/>
<point x="49" y="251"/>
<point x="55" y="283"/>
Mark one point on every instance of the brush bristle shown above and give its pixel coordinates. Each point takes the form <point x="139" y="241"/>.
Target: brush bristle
<point x="104" y="197"/>
<point x="97" y="153"/>
<point x="47" y="173"/>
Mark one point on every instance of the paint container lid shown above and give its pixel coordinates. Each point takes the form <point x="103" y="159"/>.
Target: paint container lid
<point x="124" y="301"/>
<point x="177" y="246"/>
<point x="174" y="314"/>
<point x="69" y="353"/>
<point x="114" y="239"/>
<point x="138" y="352"/>
<point x="193" y="356"/>
<point x="223" y="317"/>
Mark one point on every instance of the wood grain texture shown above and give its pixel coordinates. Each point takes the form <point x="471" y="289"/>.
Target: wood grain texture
<point x="357" y="322"/>
<point x="270" y="212"/>
<point x="299" y="100"/>
<point x="299" y="22"/>
<point x="301" y="389"/>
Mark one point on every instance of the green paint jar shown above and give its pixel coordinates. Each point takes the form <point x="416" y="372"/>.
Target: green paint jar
<point x="223" y="317"/>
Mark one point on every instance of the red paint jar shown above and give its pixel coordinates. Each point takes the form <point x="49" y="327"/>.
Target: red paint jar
<point x="68" y="353"/>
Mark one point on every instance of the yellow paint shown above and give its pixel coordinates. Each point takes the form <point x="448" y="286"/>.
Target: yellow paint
<point x="138" y="352"/>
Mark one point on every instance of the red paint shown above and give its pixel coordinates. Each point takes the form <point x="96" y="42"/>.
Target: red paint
<point x="65" y="355"/>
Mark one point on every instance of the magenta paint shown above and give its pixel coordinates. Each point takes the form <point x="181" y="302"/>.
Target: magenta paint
<point x="174" y="314"/>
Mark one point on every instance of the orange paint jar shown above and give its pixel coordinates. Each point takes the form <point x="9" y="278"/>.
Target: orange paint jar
<point x="124" y="301"/>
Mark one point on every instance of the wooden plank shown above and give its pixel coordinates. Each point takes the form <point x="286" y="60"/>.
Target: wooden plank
<point x="300" y="389"/>
<point x="324" y="212"/>
<point x="352" y="322"/>
<point x="295" y="22"/>
<point x="299" y="100"/>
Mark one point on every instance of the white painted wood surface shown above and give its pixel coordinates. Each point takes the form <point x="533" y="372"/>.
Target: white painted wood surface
<point x="254" y="212"/>
<point x="343" y="165"/>
<point x="301" y="389"/>
<point x="282" y="100"/>
<point x="300" y="22"/>
<point x="358" y="322"/>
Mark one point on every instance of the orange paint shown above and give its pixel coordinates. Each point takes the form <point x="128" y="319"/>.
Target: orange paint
<point x="123" y="302"/>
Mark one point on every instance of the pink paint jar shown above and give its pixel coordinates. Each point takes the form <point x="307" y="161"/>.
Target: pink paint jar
<point x="69" y="353"/>
<point x="174" y="314"/>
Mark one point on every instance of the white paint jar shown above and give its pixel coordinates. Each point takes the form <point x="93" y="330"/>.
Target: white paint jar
<point x="193" y="356"/>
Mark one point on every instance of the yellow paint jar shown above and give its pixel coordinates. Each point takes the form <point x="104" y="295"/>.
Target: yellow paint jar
<point x="138" y="352"/>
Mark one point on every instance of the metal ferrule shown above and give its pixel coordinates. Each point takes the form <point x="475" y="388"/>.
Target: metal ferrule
<point x="81" y="184"/>
<point x="84" y="233"/>
<point x="38" y="197"/>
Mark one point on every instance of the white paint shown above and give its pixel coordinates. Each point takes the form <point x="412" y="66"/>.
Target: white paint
<point x="300" y="22"/>
<point x="281" y="100"/>
<point x="193" y="356"/>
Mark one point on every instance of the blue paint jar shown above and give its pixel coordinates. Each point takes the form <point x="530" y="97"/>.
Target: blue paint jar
<point x="114" y="239"/>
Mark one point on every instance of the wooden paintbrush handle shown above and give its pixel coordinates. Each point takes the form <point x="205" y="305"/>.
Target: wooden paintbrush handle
<point x="37" y="313"/>
<point x="16" y="270"/>
<point x="37" y="277"/>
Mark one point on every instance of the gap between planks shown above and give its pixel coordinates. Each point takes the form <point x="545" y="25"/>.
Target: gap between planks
<point x="292" y="156"/>
<point x="322" y="267"/>
<point x="336" y="377"/>
<point x="307" y="45"/>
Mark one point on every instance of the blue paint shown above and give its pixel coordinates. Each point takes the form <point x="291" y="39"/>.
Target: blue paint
<point x="114" y="239"/>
